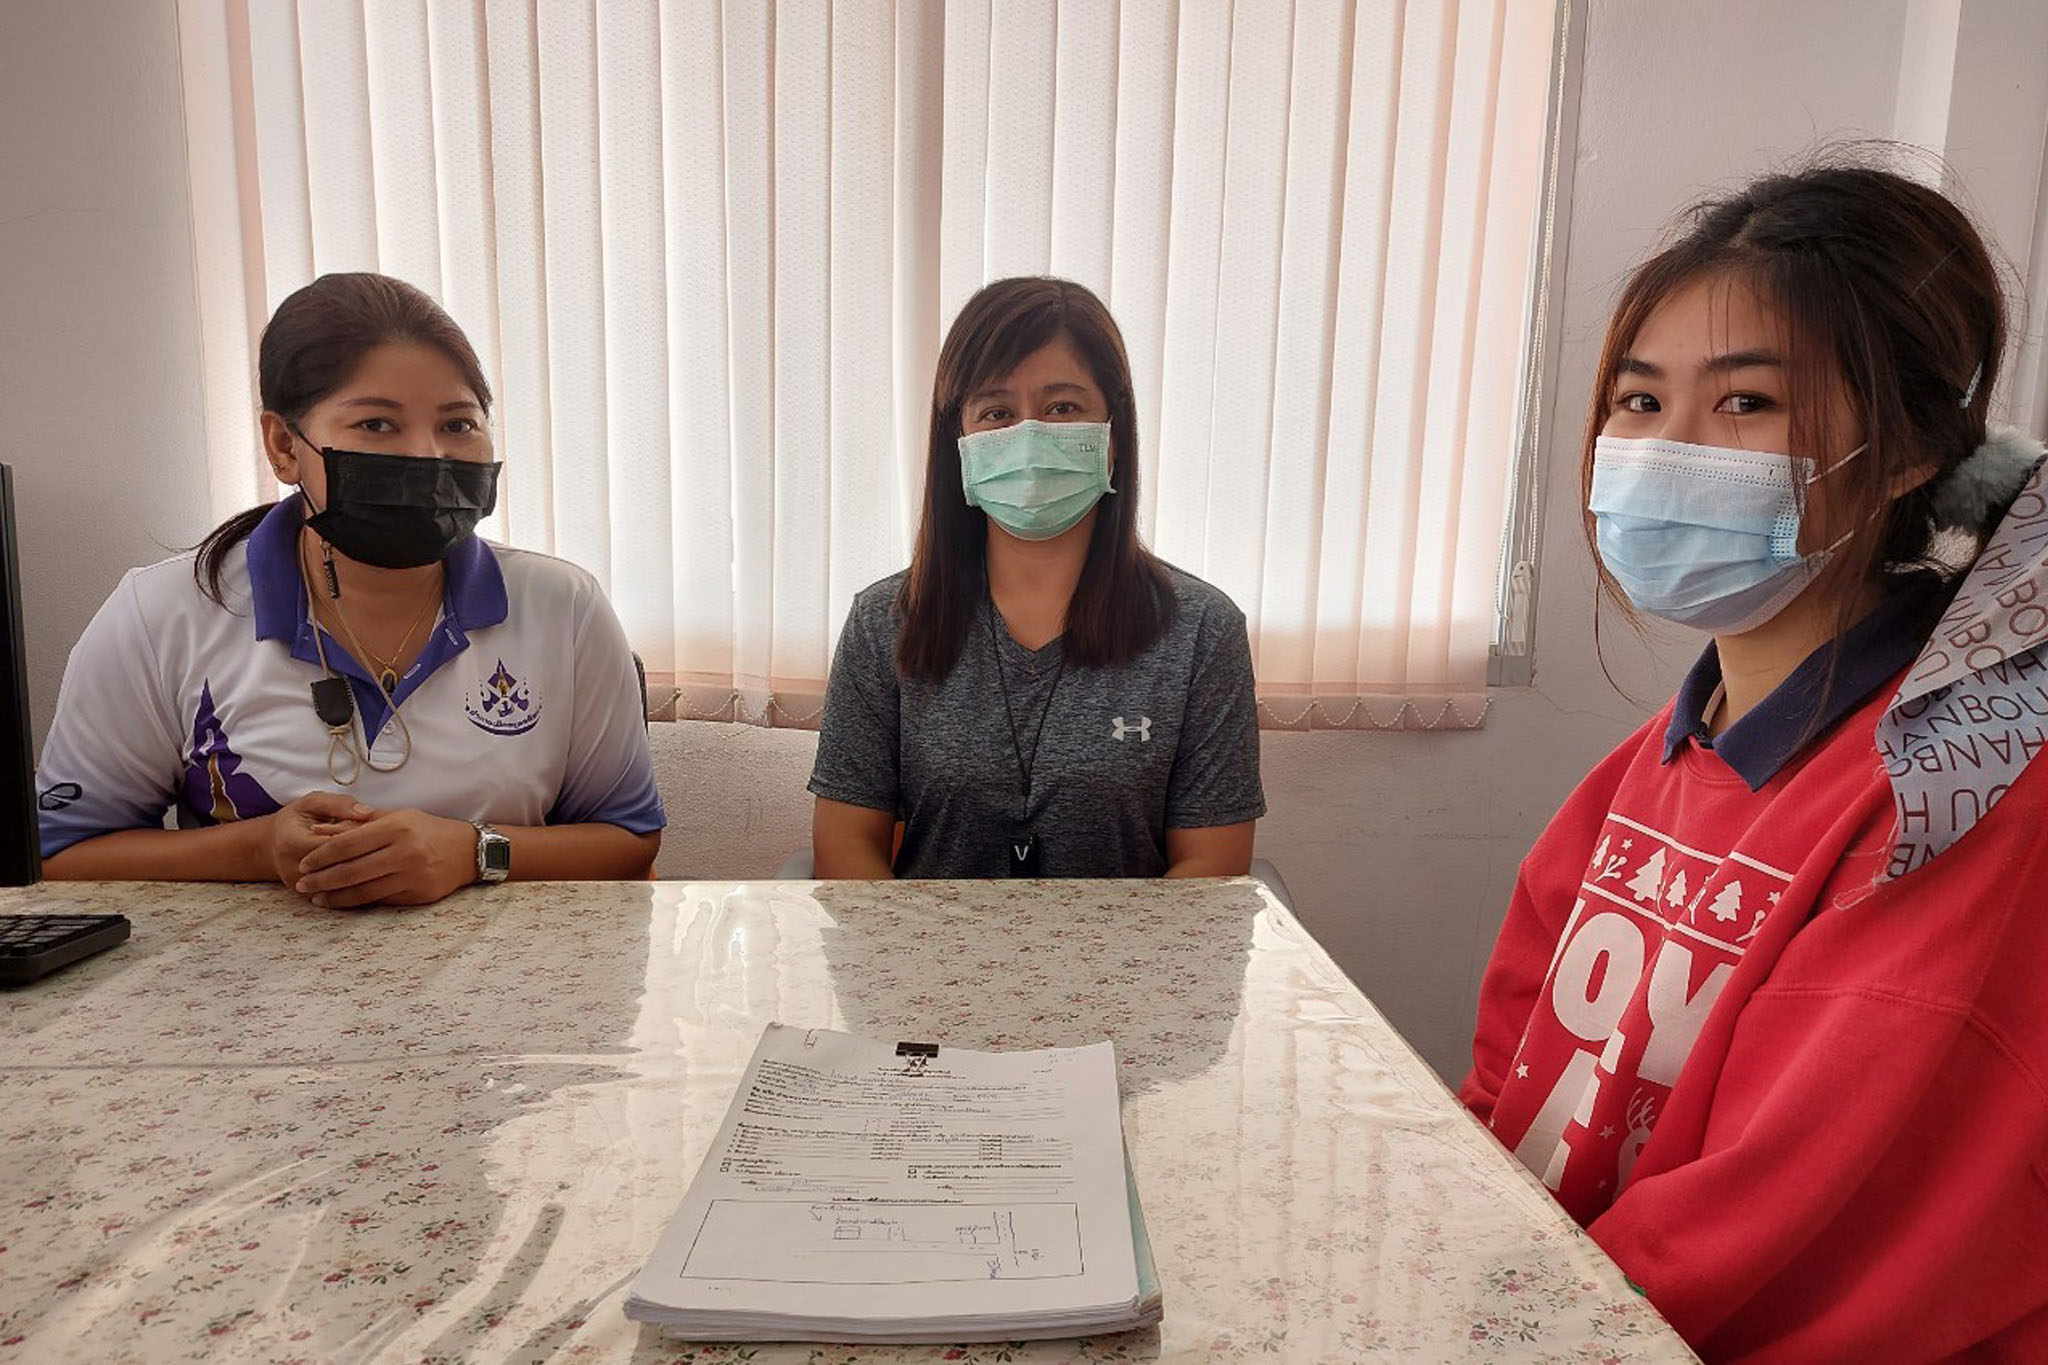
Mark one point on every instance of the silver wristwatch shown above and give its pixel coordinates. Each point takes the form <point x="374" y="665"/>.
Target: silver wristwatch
<point x="493" y="854"/>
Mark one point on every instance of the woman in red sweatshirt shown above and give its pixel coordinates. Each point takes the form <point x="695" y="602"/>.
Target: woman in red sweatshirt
<point x="1767" y="1013"/>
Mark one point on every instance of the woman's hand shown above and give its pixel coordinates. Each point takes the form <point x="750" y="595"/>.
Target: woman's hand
<point x="299" y="828"/>
<point x="399" y="857"/>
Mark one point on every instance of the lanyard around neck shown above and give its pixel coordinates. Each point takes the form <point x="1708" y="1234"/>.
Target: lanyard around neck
<point x="1026" y="767"/>
<point x="349" y="747"/>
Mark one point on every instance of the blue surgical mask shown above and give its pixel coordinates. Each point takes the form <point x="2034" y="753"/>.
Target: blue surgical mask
<point x="1706" y="536"/>
<point x="1036" y="479"/>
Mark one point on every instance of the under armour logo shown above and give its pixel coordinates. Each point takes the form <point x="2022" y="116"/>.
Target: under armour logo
<point x="1143" y="729"/>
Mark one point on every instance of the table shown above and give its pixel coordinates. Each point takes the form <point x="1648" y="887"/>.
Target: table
<point x="260" y="1130"/>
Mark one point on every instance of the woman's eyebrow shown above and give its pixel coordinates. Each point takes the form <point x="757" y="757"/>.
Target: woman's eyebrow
<point x="1720" y="364"/>
<point x="1742" y="360"/>
<point x="369" y="401"/>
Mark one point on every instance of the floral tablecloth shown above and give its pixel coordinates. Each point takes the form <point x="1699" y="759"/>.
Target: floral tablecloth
<point x="262" y="1131"/>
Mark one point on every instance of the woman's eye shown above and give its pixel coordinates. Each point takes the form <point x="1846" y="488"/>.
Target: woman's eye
<point x="1744" y="404"/>
<point x="993" y="415"/>
<point x="1636" y="402"/>
<point x="463" y="426"/>
<point x="380" y="426"/>
<point x="1063" y="408"/>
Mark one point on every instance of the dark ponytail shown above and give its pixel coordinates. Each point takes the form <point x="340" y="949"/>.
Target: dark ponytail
<point x="315" y="340"/>
<point x="212" y="552"/>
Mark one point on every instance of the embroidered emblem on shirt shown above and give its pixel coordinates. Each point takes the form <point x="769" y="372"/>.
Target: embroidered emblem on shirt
<point x="1142" y="728"/>
<point x="214" y="788"/>
<point x="58" y="795"/>
<point x="503" y="704"/>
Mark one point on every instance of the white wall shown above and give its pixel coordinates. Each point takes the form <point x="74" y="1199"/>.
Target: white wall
<point x="1400" y="849"/>
<point x="99" y="340"/>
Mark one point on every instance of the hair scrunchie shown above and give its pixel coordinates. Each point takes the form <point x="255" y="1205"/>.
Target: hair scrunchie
<point x="1973" y="494"/>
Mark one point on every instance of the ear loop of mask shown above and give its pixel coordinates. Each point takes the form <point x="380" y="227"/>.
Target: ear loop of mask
<point x="326" y="550"/>
<point x="1842" y="539"/>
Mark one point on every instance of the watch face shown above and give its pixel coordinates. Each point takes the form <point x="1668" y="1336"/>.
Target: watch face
<point x="497" y="855"/>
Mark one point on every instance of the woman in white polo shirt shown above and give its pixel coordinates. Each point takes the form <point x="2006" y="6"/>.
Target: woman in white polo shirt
<point x="347" y="690"/>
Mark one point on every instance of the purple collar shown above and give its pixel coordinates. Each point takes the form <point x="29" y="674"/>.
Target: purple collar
<point x="475" y="599"/>
<point x="476" y="585"/>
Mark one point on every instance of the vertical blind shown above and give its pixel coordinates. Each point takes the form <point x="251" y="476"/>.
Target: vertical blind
<point x="707" y="250"/>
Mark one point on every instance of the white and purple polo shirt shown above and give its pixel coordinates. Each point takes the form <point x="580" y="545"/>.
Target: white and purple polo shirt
<point x="524" y="707"/>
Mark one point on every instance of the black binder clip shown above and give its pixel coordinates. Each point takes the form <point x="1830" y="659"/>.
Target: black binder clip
<point x="916" y="1056"/>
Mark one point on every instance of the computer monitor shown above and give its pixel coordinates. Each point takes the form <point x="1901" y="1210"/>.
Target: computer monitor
<point x="20" y="856"/>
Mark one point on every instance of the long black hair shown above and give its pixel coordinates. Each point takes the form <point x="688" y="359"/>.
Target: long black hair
<point x="1124" y="600"/>
<point x="314" y="342"/>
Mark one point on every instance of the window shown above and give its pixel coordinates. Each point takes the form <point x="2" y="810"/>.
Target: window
<point x="708" y="250"/>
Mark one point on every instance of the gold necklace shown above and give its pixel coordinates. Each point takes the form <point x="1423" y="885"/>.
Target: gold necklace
<point x="386" y="668"/>
<point x="346" y="738"/>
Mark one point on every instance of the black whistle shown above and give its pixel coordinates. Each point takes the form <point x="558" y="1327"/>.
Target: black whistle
<point x="334" y="703"/>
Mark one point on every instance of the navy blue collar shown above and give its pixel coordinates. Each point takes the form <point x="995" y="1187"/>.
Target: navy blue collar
<point x="476" y="585"/>
<point x="1759" y="745"/>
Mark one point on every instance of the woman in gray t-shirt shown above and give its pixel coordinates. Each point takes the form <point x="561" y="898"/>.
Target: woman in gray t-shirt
<point x="1037" y="695"/>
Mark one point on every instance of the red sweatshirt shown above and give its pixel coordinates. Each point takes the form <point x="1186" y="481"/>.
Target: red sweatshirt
<point x="1821" y="1097"/>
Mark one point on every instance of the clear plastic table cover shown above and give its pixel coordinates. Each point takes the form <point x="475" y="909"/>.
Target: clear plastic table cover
<point x="265" y="1131"/>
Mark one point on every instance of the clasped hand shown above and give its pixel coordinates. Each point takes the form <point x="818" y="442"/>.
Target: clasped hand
<point x="342" y="854"/>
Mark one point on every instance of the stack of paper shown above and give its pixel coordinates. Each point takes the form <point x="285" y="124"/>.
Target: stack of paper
<point x="870" y="1191"/>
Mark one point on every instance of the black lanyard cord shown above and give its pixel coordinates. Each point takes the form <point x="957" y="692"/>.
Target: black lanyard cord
<point x="1025" y="767"/>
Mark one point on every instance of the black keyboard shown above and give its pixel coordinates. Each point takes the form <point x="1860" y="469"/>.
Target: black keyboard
<point x="32" y="946"/>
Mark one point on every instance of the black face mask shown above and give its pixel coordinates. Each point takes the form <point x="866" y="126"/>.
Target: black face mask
<point x="402" y="511"/>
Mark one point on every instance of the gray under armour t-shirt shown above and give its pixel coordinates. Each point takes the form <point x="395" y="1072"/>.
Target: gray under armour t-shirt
<point x="1168" y="741"/>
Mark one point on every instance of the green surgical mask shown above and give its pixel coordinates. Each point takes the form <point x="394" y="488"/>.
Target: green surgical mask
<point x="1036" y="479"/>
